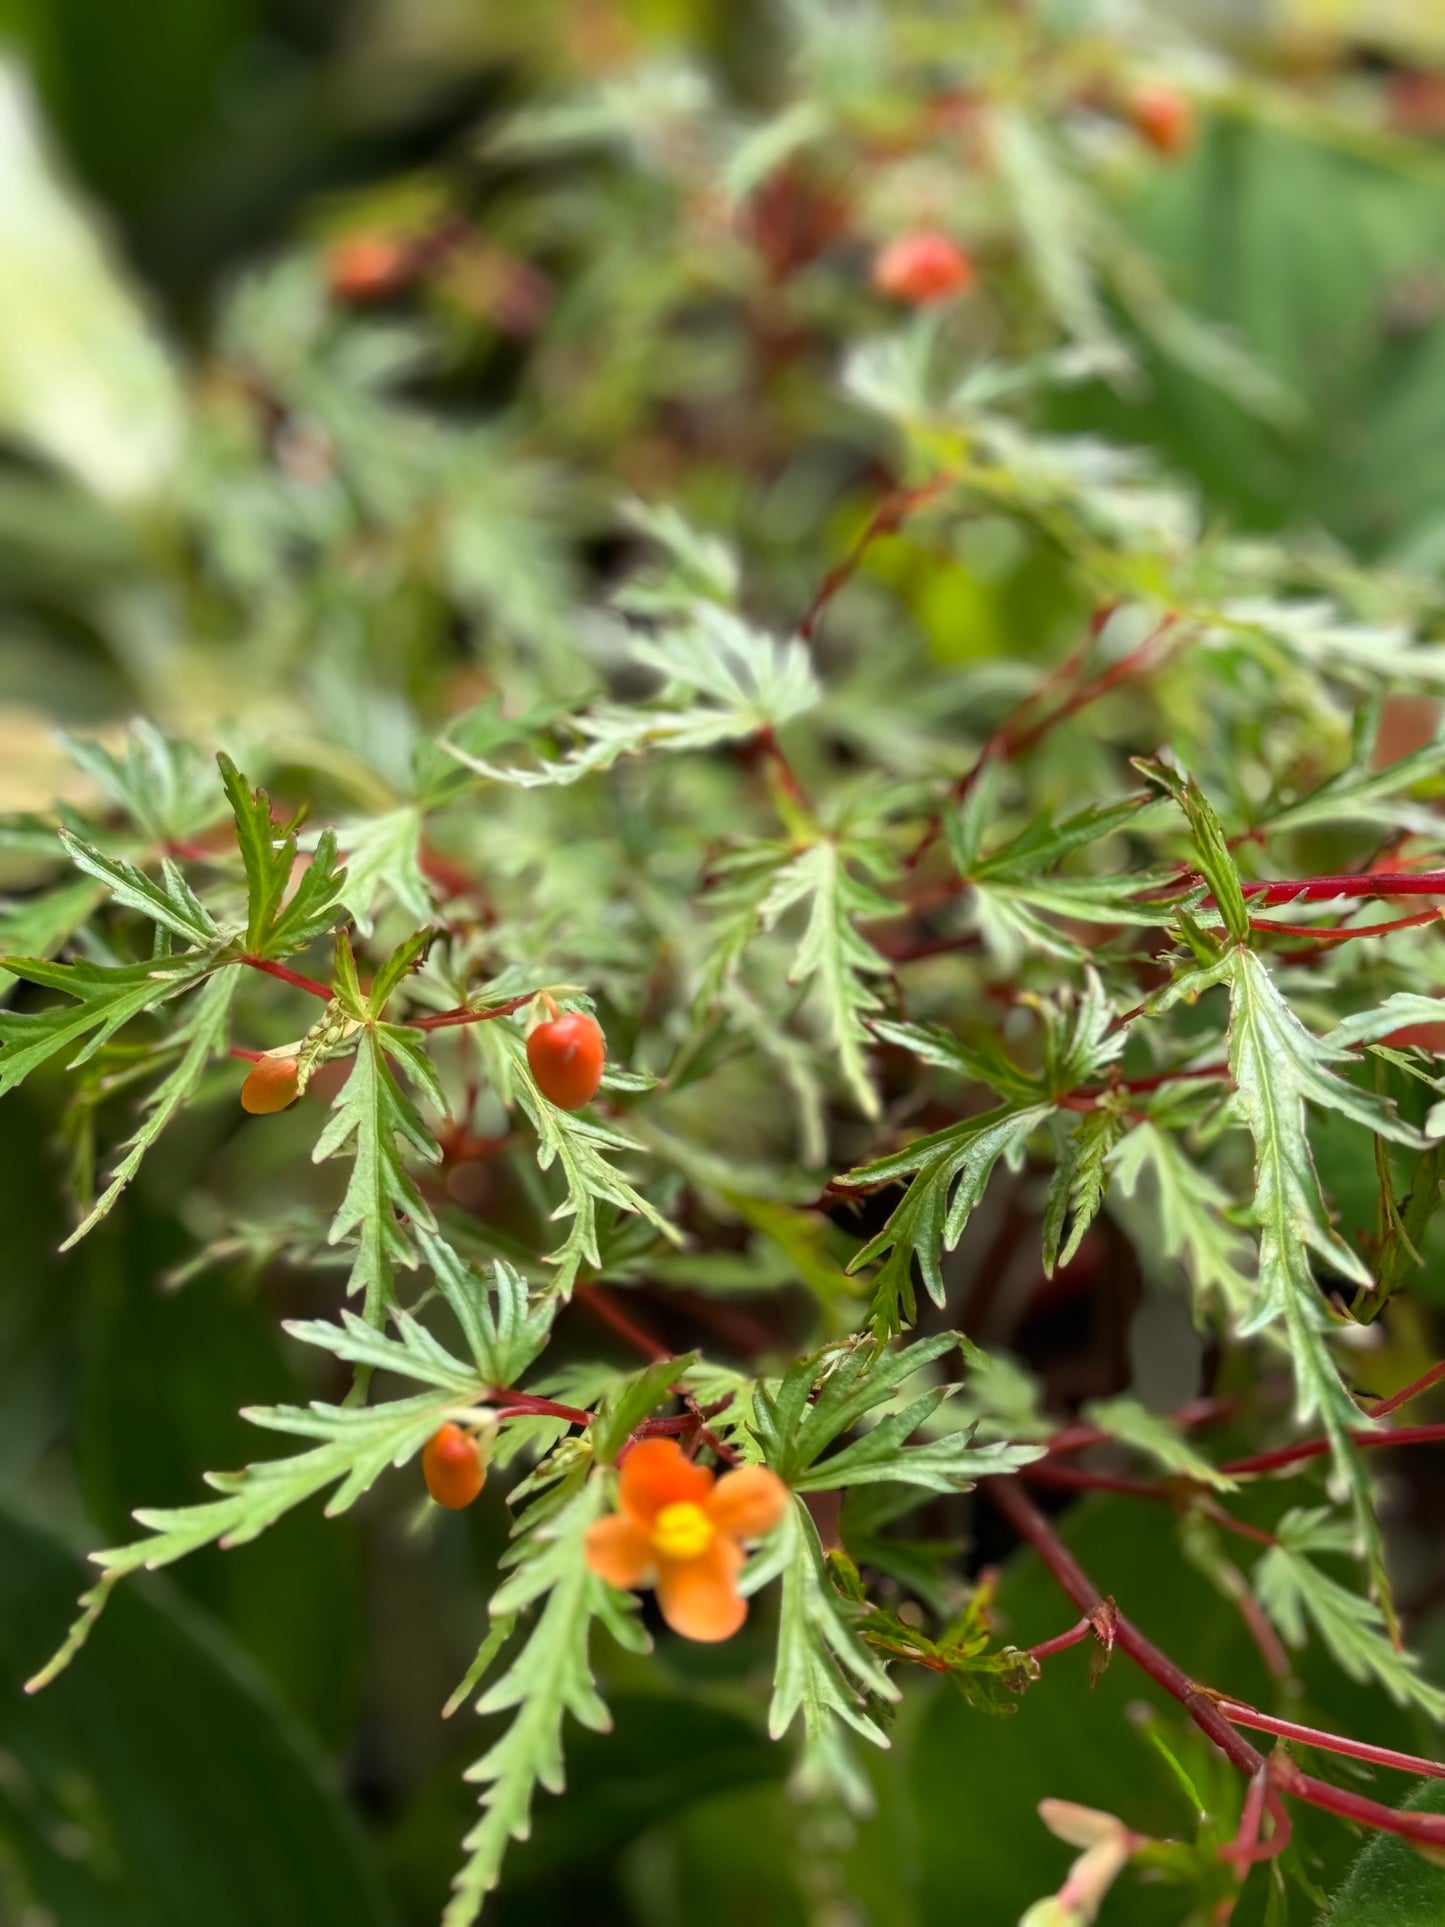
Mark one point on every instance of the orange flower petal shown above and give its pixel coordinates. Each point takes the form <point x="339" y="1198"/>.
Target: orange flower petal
<point x="699" y="1597"/>
<point x="655" y="1474"/>
<point x="749" y="1502"/>
<point x="619" y="1551"/>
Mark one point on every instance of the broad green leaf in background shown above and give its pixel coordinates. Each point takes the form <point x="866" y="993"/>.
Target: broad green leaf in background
<point x="129" y="1806"/>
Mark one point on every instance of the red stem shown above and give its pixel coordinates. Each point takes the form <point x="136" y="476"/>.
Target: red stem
<point x="1239" y="1714"/>
<point x="1062" y="1641"/>
<point x="1075" y="1478"/>
<point x="1282" y="1775"/>
<point x="288" y="976"/>
<point x="464" y="1014"/>
<point x="1382" y="1406"/>
<point x="1347" y="935"/>
<point x="1031" y="1526"/>
<point x="251" y="1056"/>
<point x="1428" y="1829"/>
<point x="527" y="1404"/>
<point x="611" y="1313"/>
<point x="1317" y="1448"/>
<point x="886" y="519"/>
<point x="1245" y="1848"/>
<point x="1199" y="1411"/>
<point x="1087" y="1096"/>
<point x="787" y="776"/>
<point x="1323" y="889"/>
<point x="1012" y="738"/>
<point x="1011" y="741"/>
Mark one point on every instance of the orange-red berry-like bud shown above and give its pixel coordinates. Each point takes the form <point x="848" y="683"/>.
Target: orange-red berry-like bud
<point x="368" y="267"/>
<point x="567" y="1056"/>
<point x="273" y="1083"/>
<point x="452" y="1468"/>
<point x="1162" y="116"/>
<point x="922" y="268"/>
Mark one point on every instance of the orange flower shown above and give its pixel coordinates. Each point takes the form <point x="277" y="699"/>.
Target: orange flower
<point x="680" y="1529"/>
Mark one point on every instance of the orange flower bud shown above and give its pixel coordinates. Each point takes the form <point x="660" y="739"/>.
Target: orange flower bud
<point x="1162" y="116"/>
<point x="367" y="267"/>
<point x="452" y="1468"/>
<point x="922" y="268"/>
<point x="273" y="1083"/>
<point x="567" y="1056"/>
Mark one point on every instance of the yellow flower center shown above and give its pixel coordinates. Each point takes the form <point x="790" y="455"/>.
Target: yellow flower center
<point x="682" y="1531"/>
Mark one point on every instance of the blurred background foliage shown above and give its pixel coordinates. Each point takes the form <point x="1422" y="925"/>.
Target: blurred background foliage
<point x="223" y="514"/>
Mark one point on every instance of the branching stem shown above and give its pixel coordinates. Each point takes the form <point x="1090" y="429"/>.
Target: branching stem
<point x="1206" y="1709"/>
<point x="466" y="1014"/>
<point x="286" y="976"/>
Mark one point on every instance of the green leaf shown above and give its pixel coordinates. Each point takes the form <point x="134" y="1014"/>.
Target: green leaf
<point x="1392" y="1884"/>
<point x="357" y="1444"/>
<point x="950" y="1171"/>
<point x="578" y="1147"/>
<point x="1296" y="1593"/>
<point x="832" y="956"/>
<point x="38" y="926"/>
<point x="165" y="785"/>
<point x="1012" y="888"/>
<point x="723" y="682"/>
<point x="203" y="1033"/>
<point x="628" y="1403"/>
<point x="398" y="966"/>
<point x="821" y="1396"/>
<point x="982" y="1063"/>
<point x="266" y="858"/>
<point x="1192" y="1214"/>
<point x="1131" y="1423"/>
<point x="1371" y="797"/>
<point x="548" y="1679"/>
<point x="824" y="1395"/>
<point x="1368" y="1026"/>
<point x="949" y="1464"/>
<point x="86" y="379"/>
<point x="1058" y="225"/>
<point x="441" y="778"/>
<point x="275" y="928"/>
<point x="824" y="1670"/>
<point x="315" y="902"/>
<point x="383" y="866"/>
<point x="504" y="1329"/>
<point x="990" y="1680"/>
<point x="414" y="1353"/>
<point x="172" y="904"/>
<point x="374" y="1119"/>
<point x="106" y="997"/>
<point x="1080" y="1180"/>
<point x="1216" y="861"/>
<point x="1278" y="1066"/>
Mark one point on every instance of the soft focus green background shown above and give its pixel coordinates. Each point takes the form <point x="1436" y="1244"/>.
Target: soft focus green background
<point x="255" y="1740"/>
